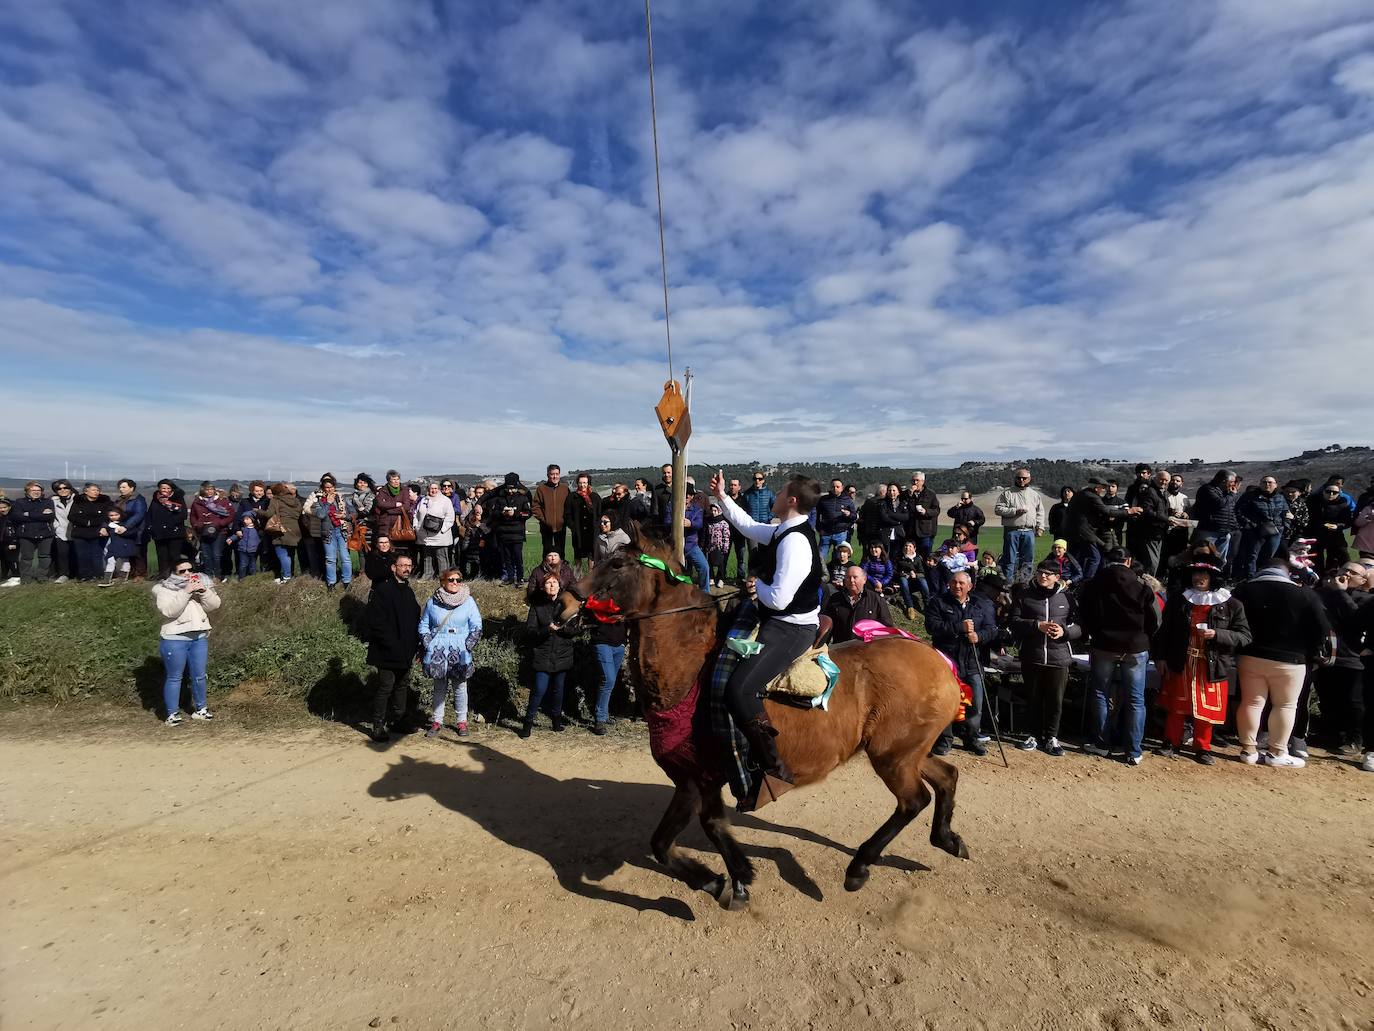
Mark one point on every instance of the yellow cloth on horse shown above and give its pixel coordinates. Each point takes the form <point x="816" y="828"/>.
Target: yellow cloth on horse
<point x="810" y="677"/>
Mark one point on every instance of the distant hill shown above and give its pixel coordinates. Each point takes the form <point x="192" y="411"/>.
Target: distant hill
<point x="1049" y="474"/>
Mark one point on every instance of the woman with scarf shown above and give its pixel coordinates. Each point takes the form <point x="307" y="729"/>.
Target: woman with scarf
<point x="392" y="506"/>
<point x="336" y="526"/>
<point x="185" y="598"/>
<point x="212" y="515"/>
<point x="450" y="627"/>
<point x="582" y="517"/>
<point x="1202" y="629"/>
<point x="166" y="525"/>
<point x="551" y="656"/>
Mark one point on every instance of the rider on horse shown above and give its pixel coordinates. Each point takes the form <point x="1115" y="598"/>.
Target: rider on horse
<point x="785" y="578"/>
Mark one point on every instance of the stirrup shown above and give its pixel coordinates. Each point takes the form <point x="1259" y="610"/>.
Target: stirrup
<point x="766" y="788"/>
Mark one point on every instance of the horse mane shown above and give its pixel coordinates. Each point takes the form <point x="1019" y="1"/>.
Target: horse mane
<point x="656" y="540"/>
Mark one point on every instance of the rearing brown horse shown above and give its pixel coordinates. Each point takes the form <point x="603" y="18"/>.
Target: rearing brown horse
<point x="893" y="698"/>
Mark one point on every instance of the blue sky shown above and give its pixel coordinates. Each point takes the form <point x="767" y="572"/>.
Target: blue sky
<point x="368" y="233"/>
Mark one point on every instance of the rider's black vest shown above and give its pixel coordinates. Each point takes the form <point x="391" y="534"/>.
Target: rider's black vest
<point x="764" y="565"/>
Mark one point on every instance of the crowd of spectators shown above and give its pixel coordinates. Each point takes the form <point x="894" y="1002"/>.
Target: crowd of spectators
<point x="1227" y="604"/>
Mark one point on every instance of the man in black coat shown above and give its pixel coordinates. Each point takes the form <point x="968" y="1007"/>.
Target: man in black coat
<point x="392" y="624"/>
<point x="1147" y="520"/>
<point x="854" y="604"/>
<point x="923" y="511"/>
<point x="508" y="509"/>
<point x="962" y="623"/>
<point x="1086" y="525"/>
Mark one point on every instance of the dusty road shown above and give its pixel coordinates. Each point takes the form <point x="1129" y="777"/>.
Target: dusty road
<point x="204" y="877"/>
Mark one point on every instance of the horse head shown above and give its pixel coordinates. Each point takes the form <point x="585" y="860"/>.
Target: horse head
<point x="628" y="583"/>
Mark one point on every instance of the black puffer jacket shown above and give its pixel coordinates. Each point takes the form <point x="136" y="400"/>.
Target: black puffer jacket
<point x="835" y="515"/>
<point x="553" y="649"/>
<point x="1035" y="606"/>
<point x="1117" y="611"/>
<point x="508" y="508"/>
<point x="87" y="517"/>
<point x="32" y="519"/>
<point x="1175" y="635"/>
<point x="1215" y="509"/>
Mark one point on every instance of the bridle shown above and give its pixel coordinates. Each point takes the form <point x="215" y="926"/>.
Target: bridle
<point x="712" y="602"/>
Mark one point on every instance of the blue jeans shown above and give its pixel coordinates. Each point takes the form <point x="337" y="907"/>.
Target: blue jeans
<point x="336" y="560"/>
<point x="248" y="563"/>
<point x="550" y="684"/>
<point x="284" y="553"/>
<point x="1018" y="553"/>
<point x="1256" y="549"/>
<point x="829" y="542"/>
<point x="1220" y="538"/>
<point x="924" y="546"/>
<point x="1089" y="557"/>
<point x="177" y="654"/>
<point x="212" y="555"/>
<point x="610" y="656"/>
<point x="922" y="588"/>
<point x="696" y="561"/>
<point x="1118" y="703"/>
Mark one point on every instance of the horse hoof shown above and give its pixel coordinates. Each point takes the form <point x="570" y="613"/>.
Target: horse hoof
<point x="959" y="850"/>
<point x="739" y="898"/>
<point x="855" y="879"/>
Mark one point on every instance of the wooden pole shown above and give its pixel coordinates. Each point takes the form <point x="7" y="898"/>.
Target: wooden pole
<point x="679" y="505"/>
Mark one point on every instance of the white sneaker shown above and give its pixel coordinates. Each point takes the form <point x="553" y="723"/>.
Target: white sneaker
<point x="1368" y="764"/>
<point x="11" y="582"/>
<point x="1028" y="745"/>
<point x="173" y="720"/>
<point x="1249" y="758"/>
<point x="1290" y="761"/>
<point x="983" y="739"/>
<point x="1135" y="760"/>
<point x="202" y="714"/>
<point x="61" y="580"/>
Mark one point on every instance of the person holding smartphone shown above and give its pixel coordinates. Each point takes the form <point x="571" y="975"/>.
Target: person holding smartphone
<point x="185" y="599"/>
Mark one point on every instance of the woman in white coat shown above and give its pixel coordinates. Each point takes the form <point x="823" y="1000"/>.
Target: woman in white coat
<point x="434" y="530"/>
<point x="185" y="600"/>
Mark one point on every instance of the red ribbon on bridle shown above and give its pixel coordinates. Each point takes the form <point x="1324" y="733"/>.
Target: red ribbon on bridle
<point x="603" y="610"/>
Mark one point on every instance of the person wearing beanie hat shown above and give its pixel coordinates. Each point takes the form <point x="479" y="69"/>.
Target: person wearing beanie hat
<point x="1044" y="620"/>
<point x="1067" y="567"/>
<point x="507" y="509"/>
<point x="1202" y="629"/>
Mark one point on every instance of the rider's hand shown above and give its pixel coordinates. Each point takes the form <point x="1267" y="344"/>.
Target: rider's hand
<point x="717" y="485"/>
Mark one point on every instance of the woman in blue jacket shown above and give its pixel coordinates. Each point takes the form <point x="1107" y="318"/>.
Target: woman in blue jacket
<point x="450" y="627"/>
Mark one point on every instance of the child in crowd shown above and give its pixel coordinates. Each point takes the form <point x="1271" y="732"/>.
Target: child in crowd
<point x="121" y="546"/>
<point x="911" y="579"/>
<point x="987" y="565"/>
<point x="717" y="543"/>
<point x="247" y="541"/>
<point x="839" y="562"/>
<point x="879" y="569"/>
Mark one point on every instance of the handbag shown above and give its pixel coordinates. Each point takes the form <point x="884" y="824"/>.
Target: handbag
<point x="402" y="530"/>
<point x="432" y="523"/>
<point x="438" y="669"/>
<point x="357" y="540"/>
<point x="274" y="527"/>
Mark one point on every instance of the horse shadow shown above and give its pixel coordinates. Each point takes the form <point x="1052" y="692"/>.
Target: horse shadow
<point x="585" y="829"/>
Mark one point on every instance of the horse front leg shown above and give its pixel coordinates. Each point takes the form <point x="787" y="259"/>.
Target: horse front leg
<point x="686" y="803"/>
<point x="716" y="823"/>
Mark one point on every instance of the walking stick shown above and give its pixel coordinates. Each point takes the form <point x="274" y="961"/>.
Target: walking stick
<point x="992" y="710"/>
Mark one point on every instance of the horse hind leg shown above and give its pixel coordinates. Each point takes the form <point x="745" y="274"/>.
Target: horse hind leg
<point x="716" y="823"/>
<point x="903" y="779"/>
<point x="685" y="804"/>
<point x="944" y="778"/>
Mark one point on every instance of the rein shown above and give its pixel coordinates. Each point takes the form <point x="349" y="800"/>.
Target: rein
<point x="712" y="602"/>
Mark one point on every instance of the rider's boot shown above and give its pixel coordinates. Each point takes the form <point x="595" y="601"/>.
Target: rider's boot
<point x="773" y="779"/>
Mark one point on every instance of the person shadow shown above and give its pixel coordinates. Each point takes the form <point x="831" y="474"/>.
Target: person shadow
<point x="585" y="829"/>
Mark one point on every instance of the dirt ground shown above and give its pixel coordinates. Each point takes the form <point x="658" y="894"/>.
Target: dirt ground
<point x="211" y="877"/>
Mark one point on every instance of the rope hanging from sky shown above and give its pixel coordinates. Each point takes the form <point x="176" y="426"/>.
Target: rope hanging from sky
<point x="658" y="185"/>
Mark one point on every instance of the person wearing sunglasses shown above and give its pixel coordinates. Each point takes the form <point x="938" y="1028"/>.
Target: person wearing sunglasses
<point x="757" y="502"/>
<point x="450" y="627"/>
<point x="1329" y="517"/>
<point x="185" y="599"/>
